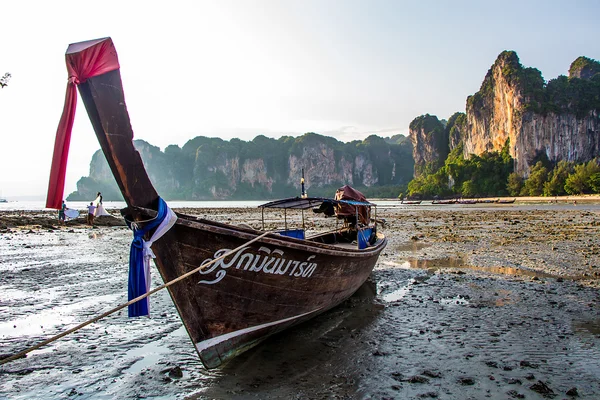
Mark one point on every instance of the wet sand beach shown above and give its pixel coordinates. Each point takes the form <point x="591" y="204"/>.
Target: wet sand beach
<point x="466" y="302"/>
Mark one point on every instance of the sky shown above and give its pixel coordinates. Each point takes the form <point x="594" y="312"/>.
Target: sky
<point x="238" y="69"/>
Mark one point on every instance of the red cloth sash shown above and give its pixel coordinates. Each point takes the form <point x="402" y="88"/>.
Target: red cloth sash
<point x="84" y="60"/>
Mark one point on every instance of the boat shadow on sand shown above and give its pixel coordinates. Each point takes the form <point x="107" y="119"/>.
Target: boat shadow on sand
<point x="308" y="355"/>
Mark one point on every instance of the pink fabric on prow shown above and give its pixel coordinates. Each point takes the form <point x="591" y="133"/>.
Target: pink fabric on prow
<point x="84" y="60"/>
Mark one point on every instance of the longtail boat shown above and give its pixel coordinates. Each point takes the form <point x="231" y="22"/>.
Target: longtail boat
<point x="444" y="202"/>
<point x="505" y="201"/>
<point x="410" y="202"/>
<point x="274" y="281"/>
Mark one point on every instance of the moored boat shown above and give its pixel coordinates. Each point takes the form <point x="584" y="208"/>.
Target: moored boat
<point x="255" y="283"/>
<point x="505" y="201"/>
<point x="443" y="202"/>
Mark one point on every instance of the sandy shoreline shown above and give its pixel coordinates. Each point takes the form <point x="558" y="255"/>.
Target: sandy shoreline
<point x="498" y="302"/>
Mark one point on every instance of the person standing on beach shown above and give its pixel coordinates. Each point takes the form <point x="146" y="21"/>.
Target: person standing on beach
<point x="61" y="213"/>
<point x="100" y="211"/>
<point x="90" y="217"/>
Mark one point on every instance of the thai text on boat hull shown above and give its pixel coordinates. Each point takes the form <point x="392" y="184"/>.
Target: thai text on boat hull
<point x="270" y="262"/>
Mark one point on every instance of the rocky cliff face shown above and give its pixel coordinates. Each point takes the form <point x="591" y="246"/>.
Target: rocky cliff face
<point x="558" y="119"/>
<point x="558" y="136"/>
<point x="255" y="172"/>
<point x="430" y="143"/>
<point x="321" y="168"/>
<point x="211" y="168"/>
<point x="491" y="115"/>
<point x="515" y="105"/>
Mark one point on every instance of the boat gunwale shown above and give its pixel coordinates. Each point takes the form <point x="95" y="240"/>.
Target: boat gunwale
<point x="273" y="238"/>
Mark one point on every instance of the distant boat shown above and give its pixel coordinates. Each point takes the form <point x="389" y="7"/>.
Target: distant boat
<point x="410" y="202"/>
<point x="442" y="202"/>
<point x="487" y="201"/>
<point x="3" y="201"/>
<point x="500" y="201"/>
<point x="466" y="201"/>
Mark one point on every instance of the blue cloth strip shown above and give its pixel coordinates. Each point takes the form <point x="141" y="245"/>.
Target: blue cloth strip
<point x="137" y="278"/>
<point x="363" y="238"/>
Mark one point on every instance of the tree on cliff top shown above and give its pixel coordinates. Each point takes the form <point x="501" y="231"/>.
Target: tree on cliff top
<point x="578" y="94"/>
<point x="528" y="81"/>
<point x="584" y="68"/>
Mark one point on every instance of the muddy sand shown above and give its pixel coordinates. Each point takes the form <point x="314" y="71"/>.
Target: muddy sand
<point x="464" y="303"/>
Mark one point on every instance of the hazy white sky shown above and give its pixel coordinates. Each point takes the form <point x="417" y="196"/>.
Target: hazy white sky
<point x="242" y="68"/>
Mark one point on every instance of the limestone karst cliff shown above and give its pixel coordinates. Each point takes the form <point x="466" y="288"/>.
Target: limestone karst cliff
<point x="215" y="169"/>
<point x="515" y="104"/>
<point x="430" y="143"/>
<point x="557" y="120"/>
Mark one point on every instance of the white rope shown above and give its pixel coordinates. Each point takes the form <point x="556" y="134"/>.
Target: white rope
<point x="86" y="323"/>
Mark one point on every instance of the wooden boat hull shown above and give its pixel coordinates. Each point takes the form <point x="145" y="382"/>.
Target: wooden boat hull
<point x="260" y="290"/>
<point x="233" y="304"/>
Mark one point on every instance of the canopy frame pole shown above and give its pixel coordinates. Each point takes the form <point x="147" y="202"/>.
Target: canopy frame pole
<point x="375" y="214"/>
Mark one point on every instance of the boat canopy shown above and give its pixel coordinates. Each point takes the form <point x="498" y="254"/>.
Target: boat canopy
<point x="351" y="214"/>
<point x="300" y="203"/>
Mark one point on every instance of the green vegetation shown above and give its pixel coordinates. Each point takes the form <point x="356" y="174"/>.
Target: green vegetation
<point x="534" y="185"/>
<point x="491" y="175"/>
<point x="584" y="178"/>
<point x="396" y="139"/>
<point x="584" y="68"/>
<point x="478" y="176"/>
<point x="555" y="184"/>
<point x="574" y="95"/>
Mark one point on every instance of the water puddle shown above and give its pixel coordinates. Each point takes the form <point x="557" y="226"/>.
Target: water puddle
<point x="149" y="354"/>
<point x="436" y="263"/>
<point x="397" y="294"/>
<point x="413" y="246"/>
<point x="38" y="321"/>
<point x="592" y="327"/>
<point x="459" y="263"/>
